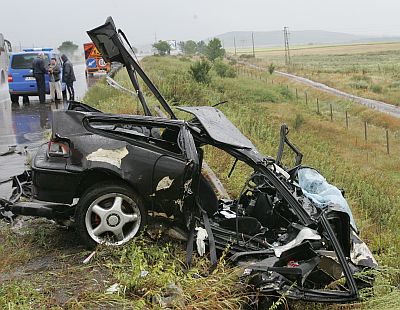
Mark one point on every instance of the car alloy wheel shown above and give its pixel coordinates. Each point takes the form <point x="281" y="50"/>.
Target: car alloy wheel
<point x="113" y="218"/>
<point x="109" y="213"/>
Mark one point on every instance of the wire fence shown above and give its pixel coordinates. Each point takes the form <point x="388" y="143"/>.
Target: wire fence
<point x="372" y="138"/>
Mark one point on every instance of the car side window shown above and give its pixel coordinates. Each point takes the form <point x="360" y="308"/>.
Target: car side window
<point x="159" y="135"/>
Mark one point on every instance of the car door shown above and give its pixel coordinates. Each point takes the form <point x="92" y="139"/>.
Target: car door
<point x="173" y="175"/>
<point x="21" y="72"/>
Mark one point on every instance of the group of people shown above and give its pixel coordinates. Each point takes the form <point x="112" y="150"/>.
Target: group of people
<point x="55" y="77"/>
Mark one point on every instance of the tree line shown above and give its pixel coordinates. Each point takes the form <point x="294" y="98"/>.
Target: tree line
<point x="212" y="50"/>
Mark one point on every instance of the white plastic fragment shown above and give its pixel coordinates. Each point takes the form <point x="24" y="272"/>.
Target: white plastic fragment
<point x="228" y="214"/>
<point x="304" y="234"/>
<point x="164" y="183"/>
<point x="201" y="236"/>
<point x="143" y="273"/>
<point x="112" y="157"/>
<point x="113" y="289"/>
<point x="89" y="258"/>
<point x="247" y="271"/>
<point x="360" y="253"/>
<point x="281" y="171"/>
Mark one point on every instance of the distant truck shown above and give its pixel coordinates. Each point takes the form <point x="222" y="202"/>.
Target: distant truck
<point x="5" y="50"/>
<point x="94" y="61"/>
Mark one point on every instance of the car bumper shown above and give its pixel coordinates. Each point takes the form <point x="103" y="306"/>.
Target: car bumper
<point x="51" y="182"/>
<point x="26" y="93"/>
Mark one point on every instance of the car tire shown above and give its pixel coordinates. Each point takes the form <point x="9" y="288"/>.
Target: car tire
<point x="109" y="213"/>
<point x="25" y="99"/>
<point x="14" y="98"/>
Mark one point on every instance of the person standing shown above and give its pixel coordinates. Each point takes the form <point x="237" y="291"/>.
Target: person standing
<point x="68" y="76"/>
<point x="54" y="77"/>
<point x="39" y="70"/>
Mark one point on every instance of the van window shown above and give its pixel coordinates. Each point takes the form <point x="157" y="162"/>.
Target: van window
<point x="24" y="61"/>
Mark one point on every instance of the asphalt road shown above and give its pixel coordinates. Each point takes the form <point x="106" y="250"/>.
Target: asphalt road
<point x="373" y="104"/>
<point x="26" y="125"/>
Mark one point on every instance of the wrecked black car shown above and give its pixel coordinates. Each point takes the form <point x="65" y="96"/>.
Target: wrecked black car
<point x="290" y="229"/>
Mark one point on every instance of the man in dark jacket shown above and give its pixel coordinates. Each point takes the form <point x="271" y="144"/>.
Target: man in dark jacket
<point x="68" y="76"/>
<point x="39" y="70"/>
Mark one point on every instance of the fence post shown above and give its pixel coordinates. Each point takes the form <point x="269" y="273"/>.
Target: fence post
<point x="306" y="98"/>
<point x="297" y="97"/>
<point x="347" y="121"/>
<point x="317" y="106"/>
<point x="331" y="112"/>
<point x="387" y="141"/>
<point x="365" y="131"/>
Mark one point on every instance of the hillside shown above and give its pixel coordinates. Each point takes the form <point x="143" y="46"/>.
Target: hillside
<point x="304" y="37"/>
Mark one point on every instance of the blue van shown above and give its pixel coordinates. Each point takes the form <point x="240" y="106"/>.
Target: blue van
<point x="21" y="81"/>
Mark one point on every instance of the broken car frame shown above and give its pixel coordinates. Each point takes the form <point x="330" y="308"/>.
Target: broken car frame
<point x="290" y="229"/>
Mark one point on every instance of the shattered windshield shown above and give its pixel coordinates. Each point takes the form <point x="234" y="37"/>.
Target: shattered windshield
<point x="316" y="188"/>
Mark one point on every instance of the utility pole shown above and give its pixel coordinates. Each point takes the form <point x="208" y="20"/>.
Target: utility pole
<point x="287" y="50"/>
<point x="252" y="40"/>
<point x="155" y="37"/>
<point x="234" y="43"/>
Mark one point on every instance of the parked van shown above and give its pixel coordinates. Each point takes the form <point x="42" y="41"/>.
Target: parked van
<point x="21" y="81"/>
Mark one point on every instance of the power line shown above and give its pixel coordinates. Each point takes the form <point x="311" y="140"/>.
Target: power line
<point x="287" y="49"/>
<point x="252" y="40"/>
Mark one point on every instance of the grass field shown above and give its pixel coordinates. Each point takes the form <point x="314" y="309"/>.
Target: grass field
<point x="298" y="50"/>
<point x="369" y="70"/>
<point x="42" y="264"/>
<point x="257" y="107"/>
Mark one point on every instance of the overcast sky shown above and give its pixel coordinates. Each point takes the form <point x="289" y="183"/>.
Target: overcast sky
<point x="48" y="23"/>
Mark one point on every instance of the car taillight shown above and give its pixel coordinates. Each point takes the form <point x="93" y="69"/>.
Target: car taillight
<point x="58" y="148"/>
<point x="10" y="78"/>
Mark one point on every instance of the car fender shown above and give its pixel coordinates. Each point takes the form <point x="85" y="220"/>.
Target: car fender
<point x="96" y="175"/>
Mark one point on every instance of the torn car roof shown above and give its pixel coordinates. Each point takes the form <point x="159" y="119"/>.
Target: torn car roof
<point x="219" y="127"/>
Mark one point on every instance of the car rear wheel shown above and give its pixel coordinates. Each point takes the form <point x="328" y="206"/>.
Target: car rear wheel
<point x="14" y="98"/>
<point x="109" y="213"/>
